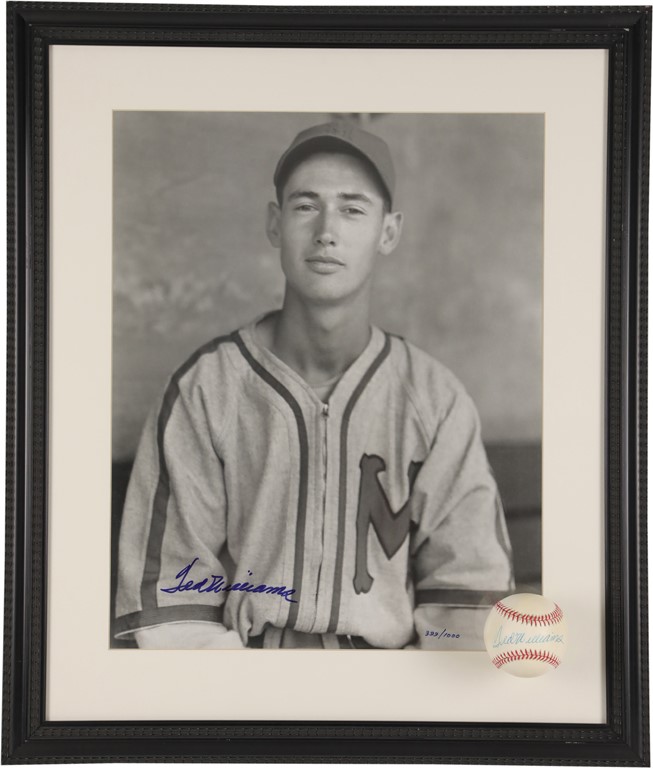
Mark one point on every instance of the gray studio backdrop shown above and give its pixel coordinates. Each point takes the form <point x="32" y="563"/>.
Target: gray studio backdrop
<point x="191" y="261"/>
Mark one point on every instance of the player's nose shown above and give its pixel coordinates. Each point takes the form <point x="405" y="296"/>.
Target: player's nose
<point x="325" y="229"/>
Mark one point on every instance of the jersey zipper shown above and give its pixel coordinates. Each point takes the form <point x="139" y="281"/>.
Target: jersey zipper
<point x="325" y="417"/>
<point x="324" y="420"/>
<point x="325" y="465"/>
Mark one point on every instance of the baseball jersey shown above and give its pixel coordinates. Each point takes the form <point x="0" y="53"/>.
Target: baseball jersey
<point x="372" y="520"/>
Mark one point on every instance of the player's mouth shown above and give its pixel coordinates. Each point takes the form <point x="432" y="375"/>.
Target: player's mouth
<point x="324" y="265"/>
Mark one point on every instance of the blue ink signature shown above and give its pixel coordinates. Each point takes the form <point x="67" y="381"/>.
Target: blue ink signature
<point x="218" y="584"/>
<point x="515" y="638"/>
<point x="442" y="634"/>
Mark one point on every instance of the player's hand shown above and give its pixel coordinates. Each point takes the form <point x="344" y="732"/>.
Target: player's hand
<point x="194" y="635"/>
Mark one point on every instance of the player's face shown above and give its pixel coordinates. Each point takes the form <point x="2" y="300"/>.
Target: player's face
<point x="330" y="228"/>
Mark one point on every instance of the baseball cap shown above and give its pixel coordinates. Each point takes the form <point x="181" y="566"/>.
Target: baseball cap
<point x="339" y="134"/>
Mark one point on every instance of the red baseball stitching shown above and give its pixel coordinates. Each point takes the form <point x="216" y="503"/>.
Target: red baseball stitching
<point x="525" y="654"/>
<point x="554" y="617"/>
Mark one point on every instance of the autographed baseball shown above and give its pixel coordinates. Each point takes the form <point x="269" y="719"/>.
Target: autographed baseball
<point x="526" y="635"/>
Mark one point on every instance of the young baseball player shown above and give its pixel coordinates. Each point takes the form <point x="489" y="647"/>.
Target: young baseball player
<point x="309" y="480"/>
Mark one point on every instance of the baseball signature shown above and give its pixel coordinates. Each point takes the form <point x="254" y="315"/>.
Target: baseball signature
<point x="217" y="584"/>
<point x="441" y="634"/>
<point x="516" y="638"/>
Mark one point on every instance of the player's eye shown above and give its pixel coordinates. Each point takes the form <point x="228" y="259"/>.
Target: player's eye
<point x="352" y="210"/>
<point x="305" y="207"/>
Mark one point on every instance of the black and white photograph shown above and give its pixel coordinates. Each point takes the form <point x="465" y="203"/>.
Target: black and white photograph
<point x="327" y="377"/>
<point x="327" y="334"/>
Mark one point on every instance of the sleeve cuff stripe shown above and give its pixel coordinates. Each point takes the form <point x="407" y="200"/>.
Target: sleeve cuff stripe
<point x="166" y="615"/>
<point x="464" y="597"/>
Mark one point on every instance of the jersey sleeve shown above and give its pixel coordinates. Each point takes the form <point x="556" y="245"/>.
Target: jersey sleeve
<point x="173" y="529"/>
<point x="461" y="555"/>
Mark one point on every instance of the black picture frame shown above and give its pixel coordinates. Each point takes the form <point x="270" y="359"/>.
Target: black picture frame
<point x="27" y="736"/>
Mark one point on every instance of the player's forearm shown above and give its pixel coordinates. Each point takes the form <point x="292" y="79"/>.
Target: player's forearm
<point x="187" y="635"/>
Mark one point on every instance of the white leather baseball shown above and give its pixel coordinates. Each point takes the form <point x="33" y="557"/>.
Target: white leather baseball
<point x="526" y="635"/>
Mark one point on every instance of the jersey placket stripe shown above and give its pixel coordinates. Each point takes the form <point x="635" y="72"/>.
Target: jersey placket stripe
<point x="152" y="566"/>
<point x="302" y="498"/>
<point x="342" y="485"/>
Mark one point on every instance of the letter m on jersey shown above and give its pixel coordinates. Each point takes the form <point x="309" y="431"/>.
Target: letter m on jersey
<point x="374" y="508"/>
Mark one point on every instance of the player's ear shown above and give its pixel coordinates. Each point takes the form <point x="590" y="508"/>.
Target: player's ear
<point x="391" y="232"/>
<point x="273" y="224"/>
